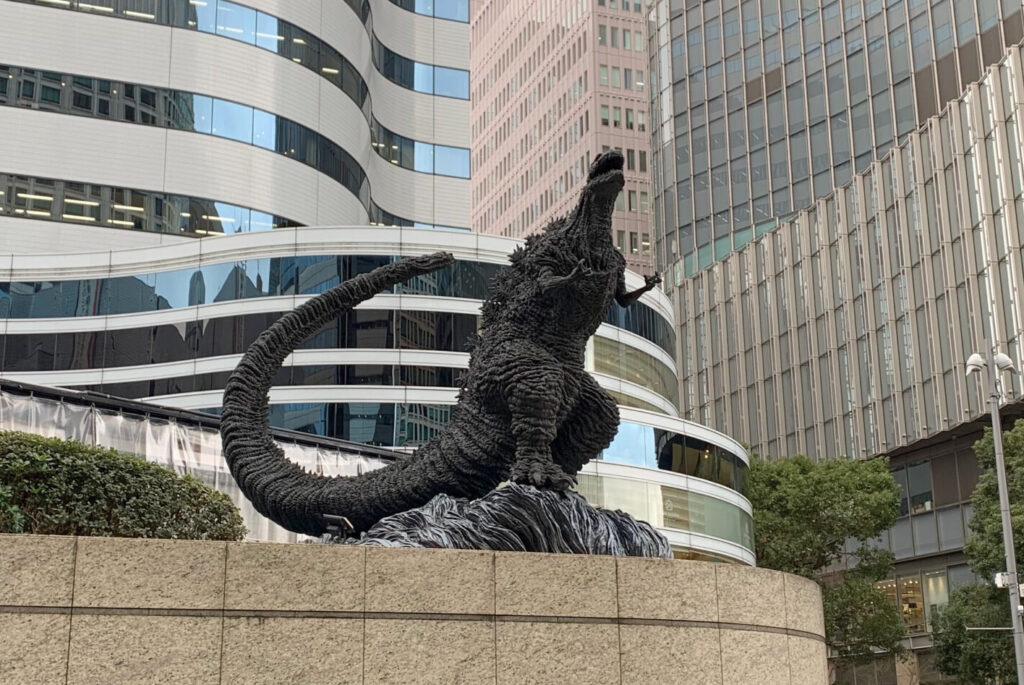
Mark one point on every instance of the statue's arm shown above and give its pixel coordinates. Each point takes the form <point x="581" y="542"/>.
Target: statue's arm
<point x="625" y="298"/>
<point x="549" y="278"/>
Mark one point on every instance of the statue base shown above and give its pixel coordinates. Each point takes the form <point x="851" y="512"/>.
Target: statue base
<point x="517" y="518"/>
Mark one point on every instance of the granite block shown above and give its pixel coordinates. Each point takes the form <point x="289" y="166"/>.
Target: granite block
<point x="429" y="580"/>
<point x="428" y="652"/>
<point x="36" y="570"/>
<point x="752" y="656"/>
<point x="164" y="574"/>
<point x="808" y="662"/>
<point x="670" y="654"/>
<point x="667" y="589"/>
<point x="294" y="577"/>
<point x="557" y="653"/>
<point x="555" y="585"/>
<point x="144" y="649"/>
<point x="34" y="648"/>
<point x="804" y="610"/>
<point x="752" y="596"/>
<point x="268" y="651"/>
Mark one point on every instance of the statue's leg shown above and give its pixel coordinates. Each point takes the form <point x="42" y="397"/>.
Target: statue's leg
<point x="589" y="427"/>
<point x="538" y="394"/>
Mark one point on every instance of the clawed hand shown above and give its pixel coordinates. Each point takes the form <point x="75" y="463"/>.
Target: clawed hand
<point x="652" y="280"/>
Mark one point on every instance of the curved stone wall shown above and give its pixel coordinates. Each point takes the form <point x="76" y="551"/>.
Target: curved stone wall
<point x="78" y="610"/>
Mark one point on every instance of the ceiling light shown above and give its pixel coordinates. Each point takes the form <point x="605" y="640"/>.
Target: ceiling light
<point x="97" y="8"/>
<point x="269" y="35"/>
<point x="129" y="208"/>
<point x="120" y="222"/>
<point x="298" y="41"/>
<point x="36" y="212"/>
<point x="83" y="203"/>
<point x="140" y="15"/>
<point x="328" y="70"/>
<point x="79" y="217"/>
<point x="186" y="214"/>
<point x="222" y="219"/>
<point x="200" y="3"/>
<point x="31" y="196"/>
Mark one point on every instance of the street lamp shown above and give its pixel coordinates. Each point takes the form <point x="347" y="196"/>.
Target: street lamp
<point x="997" y="364"/>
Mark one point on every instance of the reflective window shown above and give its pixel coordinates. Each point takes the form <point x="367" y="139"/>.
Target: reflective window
<point x="222" y="118"/>
<point x="114" y="207"/>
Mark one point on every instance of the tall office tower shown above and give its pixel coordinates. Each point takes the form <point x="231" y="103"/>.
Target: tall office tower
<point x="839" y="193"/>
<point x="762" y="107"/>
<point x="553" y="84"/>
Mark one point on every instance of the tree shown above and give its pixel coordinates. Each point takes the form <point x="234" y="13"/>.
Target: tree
<point x="985" y="656"/>
<point x="62" y="487"/>
<point x="805" y="511"/>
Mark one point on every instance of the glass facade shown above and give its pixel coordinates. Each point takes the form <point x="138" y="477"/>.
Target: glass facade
<point x="47" y="199"/>
<point x="134" y="103"/>
<point x="238" y="22"/>
<point x="761" y="107"/>
<point x="858" y="315"/>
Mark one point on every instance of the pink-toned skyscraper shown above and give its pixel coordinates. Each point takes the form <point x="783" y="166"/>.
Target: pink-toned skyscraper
<point x="552" y="84"/>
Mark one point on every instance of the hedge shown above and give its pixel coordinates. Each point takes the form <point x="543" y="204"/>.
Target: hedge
<point x="62" y="487"/>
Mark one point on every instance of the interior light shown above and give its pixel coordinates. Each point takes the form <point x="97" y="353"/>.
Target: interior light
<point x="62" y="3"/>
<point x="83" y="203"/>
<point x="222" y="219"/>
<point x="230" y="29"/>
<point x="299" y="41"/>
<point x="97" y="8"/>
<point x="31" y="196"/>
<point x="296" y="59"/>
<point x="269" y="35"/>
<point x="129" y="208"/>
<point x="198" y="3"/>
<point x="328" y="70"/>
<point x="79" y="217"/>
<point x="120" y="222"/>
<point x="140" y="15"/>
<point x="186" y="214"/>
<point x="36" y="212"/>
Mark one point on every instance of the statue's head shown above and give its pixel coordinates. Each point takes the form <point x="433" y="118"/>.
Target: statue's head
<point x="605" y="180"/>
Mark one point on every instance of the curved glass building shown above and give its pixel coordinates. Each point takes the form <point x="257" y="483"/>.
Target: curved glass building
<point x="167" y="325"/>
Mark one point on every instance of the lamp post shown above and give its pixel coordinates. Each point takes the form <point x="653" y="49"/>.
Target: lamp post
<point x="998" y="363"/>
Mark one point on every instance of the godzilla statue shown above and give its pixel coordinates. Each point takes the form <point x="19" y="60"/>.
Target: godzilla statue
<point x="528" y="411"/>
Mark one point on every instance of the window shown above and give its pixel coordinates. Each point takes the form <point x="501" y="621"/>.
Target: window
<point x="919" y="481"/>
<point x="616" y="77"/>
<point x="616" y="117"/>
<point x="604" y="115"/>
<point x="641" y="116"/>
<point x="602" y="74"/>
<point x="634" y="244"/>
<point x="602" y="34"/>
<point x="615" y="36"/>
<point x="645" y="205"/>
<point x="627" y="39"/>
<point x="50" y="94"/>
<point x="630" y="157"/>
<point x="639" y="78"/>
<point x="629" y="118"/>
<point x="627" y="79"/>
<point x="82" y="101"/>
<point x="619" y="202"/>
<point x="643" y="159"/>
<point x="28" y="89"/>
<point x="632" y="204"/>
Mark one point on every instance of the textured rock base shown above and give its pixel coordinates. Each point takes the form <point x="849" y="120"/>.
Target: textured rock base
<point x="518" y="518"/>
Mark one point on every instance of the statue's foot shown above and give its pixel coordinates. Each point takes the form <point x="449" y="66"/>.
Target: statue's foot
<point x="541" y="473"/>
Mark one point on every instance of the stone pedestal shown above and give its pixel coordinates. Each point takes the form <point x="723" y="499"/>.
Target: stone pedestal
<point x="101" y="610"/>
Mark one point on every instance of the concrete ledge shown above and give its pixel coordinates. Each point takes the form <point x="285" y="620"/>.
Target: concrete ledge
<point x="89" y="610"/>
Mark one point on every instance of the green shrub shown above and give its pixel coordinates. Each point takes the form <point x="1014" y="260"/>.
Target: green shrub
<point x="62" y="487"/>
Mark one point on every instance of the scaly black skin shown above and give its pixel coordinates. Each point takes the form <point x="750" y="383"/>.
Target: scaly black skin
<point x="528" y="410"/>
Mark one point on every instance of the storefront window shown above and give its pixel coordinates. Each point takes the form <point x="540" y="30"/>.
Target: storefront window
<point x="912" y="603"/>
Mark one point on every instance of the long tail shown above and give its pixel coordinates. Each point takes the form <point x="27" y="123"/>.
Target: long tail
<point x="278" y="488"/>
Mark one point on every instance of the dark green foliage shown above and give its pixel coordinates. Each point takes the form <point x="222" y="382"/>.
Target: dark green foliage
<point x="975" y="656"/>
<point x="61" y="487"/>
<point x="804" y="513"/>
<point x="985" y="656"/>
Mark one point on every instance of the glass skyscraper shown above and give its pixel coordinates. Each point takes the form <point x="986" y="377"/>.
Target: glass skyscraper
<point x="760" y="107"/>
